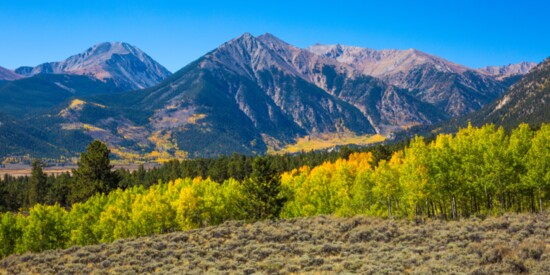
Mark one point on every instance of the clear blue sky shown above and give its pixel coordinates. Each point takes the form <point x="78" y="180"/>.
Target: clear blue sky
<point x="470" y="32"/>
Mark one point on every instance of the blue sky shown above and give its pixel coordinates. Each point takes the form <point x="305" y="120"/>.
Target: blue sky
<point x="473" y="33"/>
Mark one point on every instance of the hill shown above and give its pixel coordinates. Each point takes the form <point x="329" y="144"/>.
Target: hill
<point x="6" y="74"/>
<point x="513" y="243"/>
<point x="42" y="92"/>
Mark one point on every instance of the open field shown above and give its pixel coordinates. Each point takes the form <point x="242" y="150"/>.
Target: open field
<point x="20" y="172"/>
<point x="513" y="243"/>
<point x="27" y="171"/>
<point x="324" y="141"/>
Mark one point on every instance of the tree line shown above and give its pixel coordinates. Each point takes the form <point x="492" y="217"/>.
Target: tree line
<point x="93" y="174"/>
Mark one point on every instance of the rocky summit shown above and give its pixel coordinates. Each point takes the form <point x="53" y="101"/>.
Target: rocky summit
<point x="452" y="88"/>
<point x="126" y="66"/>
<point x="6" y="74"/>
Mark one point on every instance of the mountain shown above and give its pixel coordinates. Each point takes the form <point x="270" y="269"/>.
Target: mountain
<point x="509" y="70"/>
<point x="252" y="94"/>
<point x="6" y="74"/>
<point x="527" y="101"/>
<point x="40" y="93"/>
<point x="241" y="97"/>
<point x="248" y="95"/>
<point x="452" y="88"/>
<point x="20" y="137"/>
<point x="125" y="65"/>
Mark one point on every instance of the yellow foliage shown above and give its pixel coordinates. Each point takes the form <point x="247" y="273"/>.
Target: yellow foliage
<point x="324" y="141"/>
<point x="76" y="103"/>
<point x="195" y="117"/>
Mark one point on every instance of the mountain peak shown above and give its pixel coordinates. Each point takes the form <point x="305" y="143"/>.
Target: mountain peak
<point x="126" y="65"/>
<point x="244" y="37"/>
<point x="273" y="41"/>
<point x="107" y="49"/>
<point x="508" y="70"/>
<point x="246" y="54"/>
<point x="379" y="63"/>
<point x="6" y="74"/>
<point x="268" y="36"/>
<point x="246" y="40"/>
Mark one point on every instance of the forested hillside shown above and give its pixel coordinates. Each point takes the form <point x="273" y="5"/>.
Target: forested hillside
<point x="477" y="172"/>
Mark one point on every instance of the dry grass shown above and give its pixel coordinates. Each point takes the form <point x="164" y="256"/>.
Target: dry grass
<point x="68" y="169"/>
<point x="323" y="141"/>
<point x="518" y="243"/>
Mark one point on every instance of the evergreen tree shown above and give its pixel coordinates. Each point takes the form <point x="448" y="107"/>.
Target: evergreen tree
<point x="94" y="173"/>
<point x="37" y="184"/>
<point x="263" y="189"/>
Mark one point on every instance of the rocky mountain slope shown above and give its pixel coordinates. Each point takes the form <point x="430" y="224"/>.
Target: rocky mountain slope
<point x="509" y="70"/>
<point x="6" y="74"/>
<point x="452" y="88"/>
<point x="125" y="65"/>
<point x="527" y="101"/>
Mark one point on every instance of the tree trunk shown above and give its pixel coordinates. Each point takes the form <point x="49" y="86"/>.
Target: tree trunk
<point x="389" y="208"/>
<point x="540" y="202"/>
<point x="453" y="208"/>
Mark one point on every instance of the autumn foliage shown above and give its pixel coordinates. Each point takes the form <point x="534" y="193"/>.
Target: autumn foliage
<point x="477" y="172"/>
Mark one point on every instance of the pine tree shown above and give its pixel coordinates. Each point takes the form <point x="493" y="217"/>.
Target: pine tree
<point x="37" y="184"/>
<point x="94" y="173"/>
<point x="263" y="189"/>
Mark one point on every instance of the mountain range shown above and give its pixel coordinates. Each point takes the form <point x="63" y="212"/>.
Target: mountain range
<point x="527" y="101"/>
<point x="249" y="95"/>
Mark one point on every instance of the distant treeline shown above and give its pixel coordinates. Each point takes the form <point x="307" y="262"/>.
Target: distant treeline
<point x="16" y="193"/>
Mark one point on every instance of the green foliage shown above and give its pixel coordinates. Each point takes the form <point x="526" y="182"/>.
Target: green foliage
<point x="94" y="173"/>
<point x="10" y="233"/>
<point x="37" y="182"/>
<point x="263" y="189"/>
<point x="480" y="171"/>
<point x="536" y="181"/>
<point x="45" y="228"/>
